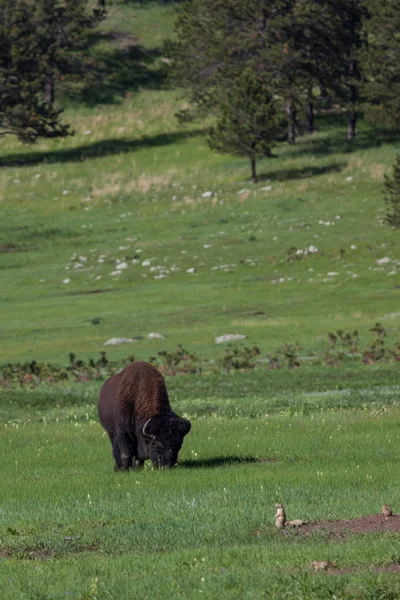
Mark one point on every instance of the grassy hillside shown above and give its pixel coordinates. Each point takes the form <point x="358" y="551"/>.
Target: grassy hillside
<point x="131" y="186"/>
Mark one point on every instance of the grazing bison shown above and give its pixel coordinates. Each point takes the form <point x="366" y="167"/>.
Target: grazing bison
<point x="134" y="410"/>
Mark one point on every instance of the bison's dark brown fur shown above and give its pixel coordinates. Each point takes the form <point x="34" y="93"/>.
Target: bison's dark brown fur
<point x="134" y="409"/>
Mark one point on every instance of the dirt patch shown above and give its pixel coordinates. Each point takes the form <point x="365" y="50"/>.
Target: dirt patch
<point x="367" y="524"/>
<point x="46" y="553"/>
<point x="88" y="292"/>
<point x="393" y="568"/>
<point x="5" y="248"/>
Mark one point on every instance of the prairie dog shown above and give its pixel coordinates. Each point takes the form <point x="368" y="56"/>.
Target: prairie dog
<point x="387" y="511"/>
<point x="280" y="517"/>
<point x="320" y="565"/>
<point x="295" y="523"/>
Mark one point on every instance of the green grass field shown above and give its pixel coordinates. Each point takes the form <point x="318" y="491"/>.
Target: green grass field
<point x="131" y="187"/>
<point x="71" y="526"/>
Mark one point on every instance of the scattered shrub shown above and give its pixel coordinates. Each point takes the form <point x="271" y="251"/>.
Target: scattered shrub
<point x="238" y="358"/>
<point x="391" y="190"/>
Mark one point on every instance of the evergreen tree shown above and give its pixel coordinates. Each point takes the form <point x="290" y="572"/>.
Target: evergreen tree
<point x="381" y="60"/>
<point x="392" y="195"/>
<point x="219" y="39"/>
<point x="248" y="124"/>
<point x="23" y="111"/>
<point x="348" y="42"/>
<point x="40" y="43"/>
<point x="64" y="27"/>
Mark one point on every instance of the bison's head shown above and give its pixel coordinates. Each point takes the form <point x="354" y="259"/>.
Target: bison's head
<point x="163" y="437"/>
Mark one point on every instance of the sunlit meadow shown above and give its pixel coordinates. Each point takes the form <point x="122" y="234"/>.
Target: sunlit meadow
<point x="133" y="226"/>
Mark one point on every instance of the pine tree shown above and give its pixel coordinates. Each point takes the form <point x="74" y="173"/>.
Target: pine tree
<point x="348" y="42"/>
<point x="219" y="39"/>
<point x="381" y="61"/>
<point x="392" y="195"/>
<point x="41" y="43"/>
<point x="248" y="124"/>
<point x="23" y="111"/>
<point x="64" y="27"/>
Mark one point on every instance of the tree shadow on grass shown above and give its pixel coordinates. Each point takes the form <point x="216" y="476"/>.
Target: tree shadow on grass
<point x="367" y="136"/>
<point x="146" y="2"/>
<point x="302" y="173"/>
<point x="120" y="71"/>
<point x="222" y="461"/>
<point x="96" y="149"/>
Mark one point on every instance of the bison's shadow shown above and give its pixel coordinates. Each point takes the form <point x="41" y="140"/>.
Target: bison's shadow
<point x="222" y="461"/>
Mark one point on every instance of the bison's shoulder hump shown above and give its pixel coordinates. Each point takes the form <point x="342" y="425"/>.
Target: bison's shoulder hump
<point x="143" y="389"/>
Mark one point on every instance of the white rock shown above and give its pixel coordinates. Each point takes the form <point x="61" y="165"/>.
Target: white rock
<point x="207" y="194"/>
<point x="78" y="266"/>
<point x="353" y="247"/>
<point x="207" y="246"/>
<point x="243" y="191"/>
<point x="113" y="273"/>
<point x="100" y="260"/>
<point x="229" y="337"/>
<point x="37" y="176"/>
<point x="161" y="276"/>
<point x="349" y="179"/>
<point x="383" y="261"/>
<point x="155" y="336"/>
<point x="116" y="341"/>
<point x="332" y="274"/>
<point x="267" y="188"/>
<point x="121" y="266"/>
<point x="67" y="280"/>
<point x="146" y="263"/>
<point x="87" y="132"/>
<point x="312" y="249"/>
<point x="191" y="270"/>
<point x="82" y="258"/>
<point x="65" y="192"/>
<point x="135" y="261"/>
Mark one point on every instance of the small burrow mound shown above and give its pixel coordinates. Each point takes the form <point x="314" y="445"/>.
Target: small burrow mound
<point x="361" y="525"/>
<point x="392" y="568"/>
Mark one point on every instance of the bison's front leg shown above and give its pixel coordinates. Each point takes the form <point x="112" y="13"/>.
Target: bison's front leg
<point x="119" y="464"/>
<point x="123" y="451"/>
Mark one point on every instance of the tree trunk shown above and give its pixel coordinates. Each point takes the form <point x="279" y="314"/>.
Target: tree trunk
<point x="253" y="169"/>
<point x="351" y="129"/>
<point x="310" y="112"/>
<point x="101" y="3"/>
<point x="322" y="90"/>
<point x="291" y="117"/>
<point x="49" y="91"/>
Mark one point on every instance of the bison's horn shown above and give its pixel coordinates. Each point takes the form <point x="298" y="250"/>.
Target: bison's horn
<point x="144" y="430"/>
